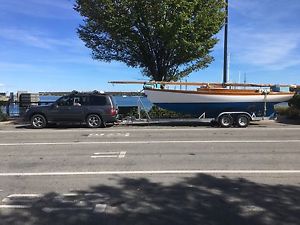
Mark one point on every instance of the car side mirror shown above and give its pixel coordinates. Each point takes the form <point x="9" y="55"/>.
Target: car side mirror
<point x="55" y="105"/>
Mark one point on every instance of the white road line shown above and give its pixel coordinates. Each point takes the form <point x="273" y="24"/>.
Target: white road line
<point x="14" y="207"/>
<point x="122" y="154"/>
<point x="50" y="209"/>
<point x="104" y="156"/>
<point x="148" y="130"/>
<point x="70" y="195"/>
<point x="24" y="196"/>
<point x="93" y="135"/>
<point x="106" y="153"/>
<point x="148" y="142"/>
<point x="100" y="208"/>
<point x="153" y="172"/>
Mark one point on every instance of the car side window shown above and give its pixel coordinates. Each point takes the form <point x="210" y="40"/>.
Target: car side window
<point x="98" y="100"/>
<point x="77" y="101"/>
<point x="84" y="100"/>
<point x="65" y="101"/>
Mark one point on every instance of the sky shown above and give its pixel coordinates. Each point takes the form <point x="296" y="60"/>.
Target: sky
<point x="41" y="51"/>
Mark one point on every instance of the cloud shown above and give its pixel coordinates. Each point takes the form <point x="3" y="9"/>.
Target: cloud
<point x="39" y="39"/>
<point x="269" y="11"/>
<point x="265" y="33"/>
<point x="13" y="66"/>
<point x="62" y="4"/>
<point x="56" y="9"/>
<point x="272" y="50"/>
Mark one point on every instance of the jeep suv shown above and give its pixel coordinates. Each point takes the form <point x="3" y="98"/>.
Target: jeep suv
<point x="95" y="109"/>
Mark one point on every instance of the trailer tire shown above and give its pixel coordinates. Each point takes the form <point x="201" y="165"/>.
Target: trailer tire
<point x="225" y="121"/>
<point x="214" y="123"/>
<point x="242" y="120"/>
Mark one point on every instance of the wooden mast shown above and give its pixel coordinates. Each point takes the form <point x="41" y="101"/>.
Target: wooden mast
<point x="202" y="84"/>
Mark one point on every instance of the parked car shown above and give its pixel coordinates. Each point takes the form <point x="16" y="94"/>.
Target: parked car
<point x="95" y="109"/>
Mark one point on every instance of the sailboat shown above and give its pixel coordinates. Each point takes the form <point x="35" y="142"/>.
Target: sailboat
<point x="222" y="102"/>
<point x="211" y="101"/>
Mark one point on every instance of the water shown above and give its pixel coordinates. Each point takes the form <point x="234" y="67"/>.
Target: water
<point x="126" y="101"/>
<point x="121" y="101"/>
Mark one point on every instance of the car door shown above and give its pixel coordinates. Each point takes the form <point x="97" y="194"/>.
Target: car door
<point x="66" y="109"/>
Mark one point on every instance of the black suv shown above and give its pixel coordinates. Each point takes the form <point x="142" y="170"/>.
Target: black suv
<point x="95" y="109"/>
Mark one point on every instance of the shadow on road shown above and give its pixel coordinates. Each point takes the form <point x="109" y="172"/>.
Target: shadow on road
<point x="63" y="126"/>
<point x="156" y="123"/>
<point x="198" y="200"/>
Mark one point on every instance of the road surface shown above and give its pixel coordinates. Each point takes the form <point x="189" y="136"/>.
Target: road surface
<point x="150" y="175"/>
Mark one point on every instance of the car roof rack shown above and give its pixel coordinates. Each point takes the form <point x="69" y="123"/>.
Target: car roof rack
<point x="95" y="92"/>
<point x="74" y="92"/>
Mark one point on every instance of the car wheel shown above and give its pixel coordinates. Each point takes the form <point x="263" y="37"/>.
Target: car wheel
<point x="94" y="121"/>
<point x="225" y="121"/>
<point x="38" y="121"/>
<point x="242" y="120"/>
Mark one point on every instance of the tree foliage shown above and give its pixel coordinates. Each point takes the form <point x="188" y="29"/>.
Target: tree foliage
<point x="295" y="101"/>
<point x="167" y="39"/>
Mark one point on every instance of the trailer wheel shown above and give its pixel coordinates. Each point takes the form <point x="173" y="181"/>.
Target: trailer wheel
<point x="242" y="120"/>
<point x="225" y="121"/>
<point x="214" y="123"/>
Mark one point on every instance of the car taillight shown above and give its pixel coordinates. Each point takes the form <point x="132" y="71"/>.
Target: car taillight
<point x="113" y="112"/>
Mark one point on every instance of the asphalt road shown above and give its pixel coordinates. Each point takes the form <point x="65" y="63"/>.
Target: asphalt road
<point x="150" y="175"/>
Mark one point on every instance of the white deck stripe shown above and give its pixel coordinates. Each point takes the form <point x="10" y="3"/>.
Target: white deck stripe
<point x="149" y="142"/>
<point x="153" y="172"/>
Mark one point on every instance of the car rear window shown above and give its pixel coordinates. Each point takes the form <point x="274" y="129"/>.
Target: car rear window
<point x="98" y="100"/>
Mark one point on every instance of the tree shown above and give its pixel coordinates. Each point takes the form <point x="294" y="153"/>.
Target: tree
<point x="167" y="39"/>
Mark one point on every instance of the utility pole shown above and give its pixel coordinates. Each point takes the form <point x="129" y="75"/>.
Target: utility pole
<point x="225" y="44"/>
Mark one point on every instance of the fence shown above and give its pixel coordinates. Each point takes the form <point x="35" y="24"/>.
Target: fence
<point x="17" y="109"/>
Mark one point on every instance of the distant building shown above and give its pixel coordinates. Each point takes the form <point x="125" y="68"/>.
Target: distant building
<point x="19" y="94"/>
<point x="3" y="97"/>
<point x="27" y="99"/>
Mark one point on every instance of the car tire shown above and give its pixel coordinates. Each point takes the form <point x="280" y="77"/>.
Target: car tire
<point x="94" y="121"/>
<point x="38" y="121"/>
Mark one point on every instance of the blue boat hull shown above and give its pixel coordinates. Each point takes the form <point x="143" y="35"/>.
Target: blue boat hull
<point x="212" y="110"/>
